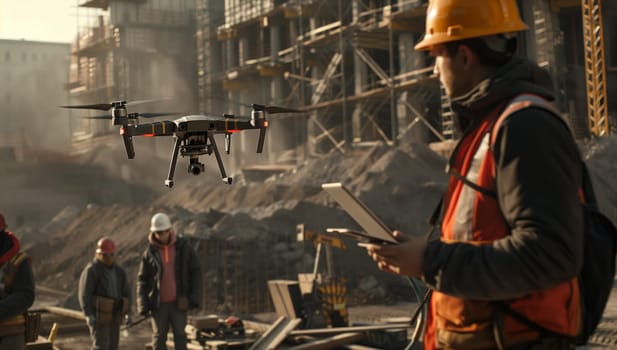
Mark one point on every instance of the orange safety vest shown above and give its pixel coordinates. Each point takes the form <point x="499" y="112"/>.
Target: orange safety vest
<point x="15" y="324"/>
<point x="473" y="216"/>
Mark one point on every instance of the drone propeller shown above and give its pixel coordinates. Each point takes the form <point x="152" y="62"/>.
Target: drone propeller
<point x="277" y="109"/>
<point x="108" y="106"/>
<point x="267" y="109"/>
<point x="139" y="115"/>
<point x="100" y="106"/>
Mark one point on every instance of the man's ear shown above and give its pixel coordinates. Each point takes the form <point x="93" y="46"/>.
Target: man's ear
<point x="468" y="57"/>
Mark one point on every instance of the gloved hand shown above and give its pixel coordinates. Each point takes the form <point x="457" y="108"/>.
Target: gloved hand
<point x="128" y="320"/>
<point x="91" y="320"/>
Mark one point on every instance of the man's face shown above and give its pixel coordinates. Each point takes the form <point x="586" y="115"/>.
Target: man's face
<point x="162" y="236"/>
<point x="106" y="258"/>
<point x="452" y="70"/>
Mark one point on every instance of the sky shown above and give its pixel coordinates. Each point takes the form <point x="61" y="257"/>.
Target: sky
<point x="39" y="20"/>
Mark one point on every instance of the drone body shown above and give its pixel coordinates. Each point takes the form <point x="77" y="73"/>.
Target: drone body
<point x="193" y="134"/>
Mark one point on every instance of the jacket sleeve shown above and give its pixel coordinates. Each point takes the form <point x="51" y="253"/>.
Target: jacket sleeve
<point x="538" y="169"/>
<point x="21" y="296"/>
<point x="126" y="289"/>
<point x="143" y="281"/>
<point x="86" y="290"/>
<point x="194" y="277"/>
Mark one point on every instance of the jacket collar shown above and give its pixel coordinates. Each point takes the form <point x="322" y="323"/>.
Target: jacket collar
<point x="518" y="76"/>
<point x="155" y="243"/>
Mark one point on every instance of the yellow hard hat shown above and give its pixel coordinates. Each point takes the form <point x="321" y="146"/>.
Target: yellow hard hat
<point x="453" y="20"/>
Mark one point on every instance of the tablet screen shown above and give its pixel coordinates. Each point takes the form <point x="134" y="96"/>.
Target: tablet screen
<point x="375" y="229"/>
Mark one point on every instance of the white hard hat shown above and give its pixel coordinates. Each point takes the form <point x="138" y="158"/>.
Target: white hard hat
<point x="160" y="222"/>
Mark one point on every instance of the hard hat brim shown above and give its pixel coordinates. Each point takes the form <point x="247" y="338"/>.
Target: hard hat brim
<point x="431" y="40"/>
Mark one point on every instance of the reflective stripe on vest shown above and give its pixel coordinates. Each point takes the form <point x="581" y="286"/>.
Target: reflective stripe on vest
<point x="474" y="216"/>
<point x="463" y="220"/>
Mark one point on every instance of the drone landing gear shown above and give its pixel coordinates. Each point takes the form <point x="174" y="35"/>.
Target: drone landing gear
<point x="195" y="167"/>
<point x="226" y="179"/>
<point x="169" y="182"/>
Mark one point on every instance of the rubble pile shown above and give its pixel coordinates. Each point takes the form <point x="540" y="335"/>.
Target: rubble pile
<point x="246" y="232"/>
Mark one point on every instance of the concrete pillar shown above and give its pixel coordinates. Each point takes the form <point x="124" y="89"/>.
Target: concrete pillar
<point x="232" y="54"/>
<point x="243" y="50"/>
<point x="360" y="77"/>
<point x="406" y="63"/>
<point x="526" y="8"/>
<point x="275" y="40"/>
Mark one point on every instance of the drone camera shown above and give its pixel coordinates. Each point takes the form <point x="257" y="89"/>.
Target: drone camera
<point x="195" y="167"/>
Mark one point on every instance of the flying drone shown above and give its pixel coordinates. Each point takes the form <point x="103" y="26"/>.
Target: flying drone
<point x="193" y="134"/>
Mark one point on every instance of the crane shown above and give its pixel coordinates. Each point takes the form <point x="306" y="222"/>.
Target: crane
<point x="595" y="68"/>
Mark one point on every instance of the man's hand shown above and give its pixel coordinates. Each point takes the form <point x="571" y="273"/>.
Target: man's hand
<point x="404" y="258"/>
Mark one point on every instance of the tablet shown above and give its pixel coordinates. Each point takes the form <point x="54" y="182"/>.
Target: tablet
<point x="376" y="230"/>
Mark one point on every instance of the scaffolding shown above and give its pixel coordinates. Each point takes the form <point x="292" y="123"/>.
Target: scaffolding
<point x="129" y="50"/>
<point x="349" y="64"/>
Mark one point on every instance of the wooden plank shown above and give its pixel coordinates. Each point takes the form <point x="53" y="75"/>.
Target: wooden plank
<point x="40" y="344"/>
<point x="276" y="334"/>
<point x="332" y="342"/>
<point x="60" y="311"/>
<point x="354" y="329"/>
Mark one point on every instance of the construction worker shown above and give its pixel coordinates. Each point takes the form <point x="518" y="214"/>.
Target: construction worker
<point x="511" y="222"/>
<point x="16" y="290"/>
<point x="168" y="283"/>
<point x="104" y="296"/>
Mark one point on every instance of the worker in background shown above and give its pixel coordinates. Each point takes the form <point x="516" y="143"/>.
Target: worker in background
<point x="104" y="296"/>
<point x="168" y="283"/>
<point x="16" y="290"/>
<point x="512" y="225"/>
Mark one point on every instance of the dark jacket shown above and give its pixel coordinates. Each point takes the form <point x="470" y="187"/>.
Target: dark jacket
<point x="538" y="169"/>
<point x="188" y="276"/>
<point x="16" y="298"/>
<point x="94" y="282"/>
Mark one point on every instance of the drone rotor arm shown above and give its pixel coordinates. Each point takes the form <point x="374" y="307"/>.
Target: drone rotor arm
<point x="162" y="128"/>
<point x="233" y="125"/>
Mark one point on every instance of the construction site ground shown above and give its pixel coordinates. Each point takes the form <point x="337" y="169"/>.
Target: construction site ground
<point x="246" y="232"/>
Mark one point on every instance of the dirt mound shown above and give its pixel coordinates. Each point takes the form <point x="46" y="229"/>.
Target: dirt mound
<point x="255" y="223"/>
<point x="246" y="232"/>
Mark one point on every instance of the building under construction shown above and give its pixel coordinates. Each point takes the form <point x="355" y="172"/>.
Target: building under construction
<point x="349" y="63"/>
<point x="132" y="49"/>
<point x="353" y="63"/>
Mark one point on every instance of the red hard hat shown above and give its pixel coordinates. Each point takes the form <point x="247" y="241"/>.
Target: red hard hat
<point x="105" y="246"/>
<point x="2" y="223"/>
